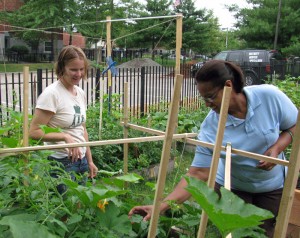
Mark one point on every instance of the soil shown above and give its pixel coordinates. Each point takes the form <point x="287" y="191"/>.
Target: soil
<point x="138" y="63"/>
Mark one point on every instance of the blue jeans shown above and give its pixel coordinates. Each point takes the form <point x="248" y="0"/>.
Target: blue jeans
<point x="79" y="167"/>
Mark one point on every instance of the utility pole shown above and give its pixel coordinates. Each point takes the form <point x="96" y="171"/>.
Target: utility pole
<point x="277" y="25"/>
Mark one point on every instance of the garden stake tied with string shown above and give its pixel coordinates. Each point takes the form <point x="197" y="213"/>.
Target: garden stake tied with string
<point x="110" y="66"/>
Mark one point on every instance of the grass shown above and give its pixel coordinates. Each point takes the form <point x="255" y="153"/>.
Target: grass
<point x="12" y="68"/>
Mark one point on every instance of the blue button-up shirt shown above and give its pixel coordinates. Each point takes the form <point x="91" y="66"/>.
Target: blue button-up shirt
<point x="269" y="111"/>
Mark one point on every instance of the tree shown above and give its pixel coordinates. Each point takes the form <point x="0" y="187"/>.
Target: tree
<point x="257" y="25"/>
<point x="40" y="19"/>
<point x="201" y="31"/>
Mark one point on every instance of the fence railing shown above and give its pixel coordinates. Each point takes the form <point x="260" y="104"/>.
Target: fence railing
<point x="150" y="88"/>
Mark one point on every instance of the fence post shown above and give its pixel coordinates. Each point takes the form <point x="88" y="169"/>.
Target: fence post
<point x="142" y="95"/>
<point x="98" y="84"/>
<point x="39" y="81"/>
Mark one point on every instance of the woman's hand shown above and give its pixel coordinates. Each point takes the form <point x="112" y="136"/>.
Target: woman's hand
<point x="144" y="211"/>
<point x="93" y="170"/>
<point x="75" y="152"/>
<point x="272" y="152"/>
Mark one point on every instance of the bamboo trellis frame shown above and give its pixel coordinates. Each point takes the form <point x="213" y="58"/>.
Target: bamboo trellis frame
<point x="293" y="165"/>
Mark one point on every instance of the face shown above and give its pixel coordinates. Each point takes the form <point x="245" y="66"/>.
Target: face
<point x="73" y="72"/>
<point x="211" y="96"/>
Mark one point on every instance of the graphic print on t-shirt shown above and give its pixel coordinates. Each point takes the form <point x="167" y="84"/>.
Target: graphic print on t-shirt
<point x="78" y="118"/>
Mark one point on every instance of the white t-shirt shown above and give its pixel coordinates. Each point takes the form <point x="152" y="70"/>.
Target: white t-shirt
<point x="69" y="113"/>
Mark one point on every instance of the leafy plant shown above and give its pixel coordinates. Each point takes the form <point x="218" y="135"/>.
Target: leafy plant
<point x="229" y="213"/>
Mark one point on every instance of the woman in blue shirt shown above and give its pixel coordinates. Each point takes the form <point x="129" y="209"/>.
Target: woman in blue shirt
<point x="261" y="119"/>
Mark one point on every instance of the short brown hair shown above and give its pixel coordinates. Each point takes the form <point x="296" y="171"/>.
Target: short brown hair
<point x="67" y="54"/>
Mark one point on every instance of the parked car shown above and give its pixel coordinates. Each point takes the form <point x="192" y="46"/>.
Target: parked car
<point x="256" y="64"/>
<point x="174" y="57"/>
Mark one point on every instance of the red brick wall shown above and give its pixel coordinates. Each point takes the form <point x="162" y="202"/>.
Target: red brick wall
<point x="10" y="5"/>
<point x="77" y="39"/>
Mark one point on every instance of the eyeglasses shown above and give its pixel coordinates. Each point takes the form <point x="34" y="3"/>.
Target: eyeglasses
<point x="211" y="98"/>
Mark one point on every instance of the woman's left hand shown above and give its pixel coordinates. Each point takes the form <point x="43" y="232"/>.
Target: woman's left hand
<point x="272" y="152"/>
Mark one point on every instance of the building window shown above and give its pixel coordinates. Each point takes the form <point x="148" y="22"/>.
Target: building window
<point x="48" y="46"/>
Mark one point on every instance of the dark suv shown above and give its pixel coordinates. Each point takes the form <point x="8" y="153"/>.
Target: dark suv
<point x="256" y="64"/>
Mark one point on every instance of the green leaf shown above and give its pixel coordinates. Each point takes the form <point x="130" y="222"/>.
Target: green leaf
<point x="4" y="130"/>
<point x="47" y="129"/>
<point x="112" y="220"/>
<point x="228" y="213"/>
<point x="133" y="178"/>
<point x="75" y="218"/>
<point x="24" y="226"/>
<point x="10" y="142"/>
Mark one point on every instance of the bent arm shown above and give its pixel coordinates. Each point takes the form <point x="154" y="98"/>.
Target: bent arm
<point x="179" y="194"/>
<point x="42" y="117"/>
<point x="92" y="167"/>
<point x="284" y="139"/>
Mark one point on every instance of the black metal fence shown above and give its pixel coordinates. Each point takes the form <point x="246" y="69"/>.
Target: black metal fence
<point x="120" y="55"/>
<point x="150" y="88"/>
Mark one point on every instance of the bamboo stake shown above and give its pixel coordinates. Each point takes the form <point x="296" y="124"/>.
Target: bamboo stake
<point x="153" y="131"/>
<point x="9" y="151"/>
<point x="240" y="152"/>
<point x="165" y="157"/>
<point x="178" y="42"/>
<point x="289" y="186"/>
<point x="227" y="182"/>
<point x="125" y="128"/>
<point x="216" y="154"/>
<point x="108" y="55"/>
<point x="25" y="105"/>
<point x="25" y="116"/>
<point x="101" y="107"/>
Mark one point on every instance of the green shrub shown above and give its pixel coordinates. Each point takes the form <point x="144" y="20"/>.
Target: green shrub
<point x="20" y="49"/>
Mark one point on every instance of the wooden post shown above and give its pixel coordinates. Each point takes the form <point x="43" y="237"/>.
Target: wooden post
<point x="108" y="46"/>
<point x="25" y="116"/>
<point x="227" y="181"/>
<point x="25" y="105"/>
<point x="216" y="154"/>
<point x="108" y="55"/>
<point x="165" y="157"/>
<point x="125" y="129"/>
<point x="289" y="186"/>
<point x="178" y="42"/>
<point x="101" y="93"/>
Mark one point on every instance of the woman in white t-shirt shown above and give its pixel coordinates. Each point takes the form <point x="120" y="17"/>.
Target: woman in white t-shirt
<point x="63" y="105"/>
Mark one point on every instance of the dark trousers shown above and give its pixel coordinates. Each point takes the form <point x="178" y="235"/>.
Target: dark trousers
<point x="78" y="167"/>
<point x="268" y="200"/>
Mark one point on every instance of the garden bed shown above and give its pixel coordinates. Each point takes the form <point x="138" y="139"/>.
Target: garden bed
<point x="153" y="170"/>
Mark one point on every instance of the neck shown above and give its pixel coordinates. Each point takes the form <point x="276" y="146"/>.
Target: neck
<point x="238" y="106"/>
<point x="69" y="87"/>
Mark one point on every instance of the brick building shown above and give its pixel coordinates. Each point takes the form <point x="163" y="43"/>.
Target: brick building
<point x="7" y="40"/>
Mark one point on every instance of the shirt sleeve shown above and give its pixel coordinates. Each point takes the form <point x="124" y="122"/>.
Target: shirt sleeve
<point x="48" y="101"/>
<point x="287" y="115"/>
<point x="203" y="155"/>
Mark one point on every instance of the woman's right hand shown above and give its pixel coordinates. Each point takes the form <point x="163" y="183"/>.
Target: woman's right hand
<point x="144" y="211"/>
<point x="74" y="153"/>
